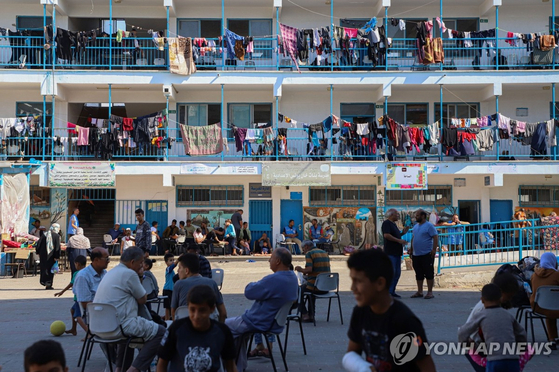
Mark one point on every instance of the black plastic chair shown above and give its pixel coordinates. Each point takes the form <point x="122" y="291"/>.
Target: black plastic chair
<point x="295" y="318"/>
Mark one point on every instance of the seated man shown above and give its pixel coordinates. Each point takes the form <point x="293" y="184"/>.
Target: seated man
<point x="315" y="231"/>
<point x="87" y="280"/>
<point x="263" y="245"/>
<point x="121" y="287"/>
<point x="189" y="277"/>
<point x="205" y="266"/>
<point x="169" y="236"/>
<point x="316" y="261"/>
<point x="37" y="229"/>
<point x="291" y="236"/>
<point x="115" y="233"/>
<point x="269" y="295"/>
<point x="327" y="234"/>
<point x="189" y="229"/>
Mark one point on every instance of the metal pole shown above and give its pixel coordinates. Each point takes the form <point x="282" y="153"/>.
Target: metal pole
<point x="45" y="36"/>
<point x="44" y="134"/>
<point x="167" y="129"/>
<point x="441" y="123"/>
<point x="332" y="34"/>
<point x="110" y="40"/>
<point x="497" y="129"/>
<point x="222" y="119"/>
<point x="110" y="104"/>
<point x="277" y="126"/>
<point x="554" y="113"/>
<point x="497" y="38"/>
<point x="167" y="21"/>
<point x="440" y="28"/>
<point x="553" y="30"/>
<point x="331" y="112"/>
<point x="223" y="41"/>
<point x="53" y="33"/>
<point x="386" y="33"/>
<point x="53" y="107"/>
<point x="277" y="33"/>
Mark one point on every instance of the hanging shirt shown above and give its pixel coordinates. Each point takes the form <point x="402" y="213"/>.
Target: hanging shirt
<point x="83" y="136"/>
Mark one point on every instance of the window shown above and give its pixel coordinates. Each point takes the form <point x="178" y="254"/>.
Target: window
<point x="206" y="28"/>
<point x="40" y="196"/>
<point x="35" y="109"/>
<point x="539" y="195"/>
<point x="199" y="114"/>
<point x="118" y="24"/>
<point x="434" y="195"/>
<point x="409" y="113"/>
<point x="261" y="28"/>
<point x="458" y="24"/>
<point x="358" y="112"/>
<point x="31" y="22"/>
<point x="216" y="196"/>
<point x="354" y="22"/>
<point x="242" y="115"/>
<point x="457" y="110"/>
<point x="342" y="196"/>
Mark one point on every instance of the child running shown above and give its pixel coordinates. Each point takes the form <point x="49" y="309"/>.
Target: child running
<point x="80" y="263"/>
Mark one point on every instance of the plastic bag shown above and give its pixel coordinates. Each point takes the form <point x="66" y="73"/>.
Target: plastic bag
<point x="55" y="269"/>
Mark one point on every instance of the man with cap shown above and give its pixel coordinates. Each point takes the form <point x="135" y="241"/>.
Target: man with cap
<point x="327" y="234"/>
<point x="317" y="261"/>
<point x="115" y="233"/>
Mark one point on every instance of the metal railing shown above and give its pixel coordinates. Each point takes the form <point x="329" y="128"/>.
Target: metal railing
<point x="494" y="243"/>
<point x="143" y="53"/>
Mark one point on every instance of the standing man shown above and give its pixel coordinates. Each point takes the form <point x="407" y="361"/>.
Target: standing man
<point x="121" y="287"/>
<point x="317" y="261"/>
<point x="143" y="233"/>
<point x="87" y="280"/>
<point x="237" y="221"/>
<point x="424" y="246"/>
<point x="73" y="224"/>
<point x="291" y="236"/>
<point x="394" y="246"/>
<point x="378" y="319"/>
<point x="189" y="229"/>
<point x="245" y="233"/>
<point x="269" y="294"/>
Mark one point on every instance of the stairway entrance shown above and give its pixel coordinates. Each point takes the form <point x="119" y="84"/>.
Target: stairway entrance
<point x="97" y="211"/>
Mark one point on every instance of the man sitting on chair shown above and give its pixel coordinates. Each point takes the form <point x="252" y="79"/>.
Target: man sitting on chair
<point x="269" y="295"/>
<point x="291" y="236"/>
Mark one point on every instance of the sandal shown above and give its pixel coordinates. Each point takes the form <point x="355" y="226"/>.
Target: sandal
<point x="417" y="295"/>
<point x="428" y="297"/>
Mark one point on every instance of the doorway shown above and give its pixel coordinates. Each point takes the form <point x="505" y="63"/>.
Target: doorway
<point x="260" y="218"/>
<point x="292" y="210"/>
<point x="501" y="210"/>
<point x="469" y="211"/>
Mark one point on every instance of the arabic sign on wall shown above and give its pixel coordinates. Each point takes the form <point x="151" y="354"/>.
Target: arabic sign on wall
<point x="82" y="175"/>
<point x="216" y="169"/>
<point x="296" y="174"/>
<point x="408" y="176"/>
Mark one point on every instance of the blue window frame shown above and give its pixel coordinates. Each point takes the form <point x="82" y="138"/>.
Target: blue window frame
<point x="435" y="195"/>
<point x="194" y="28"/>
<point x="358" y="112"/>
<point x="409" y="113"/>
<point x="215" y="196"/>
<point x="199" y="114"/>
<point x="243" y="115"/>
<point x="457" y="110"/>
<point x="342" y="196"/>
<point x="538" y="196"/>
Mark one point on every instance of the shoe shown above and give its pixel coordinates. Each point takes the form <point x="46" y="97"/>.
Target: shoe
<point x="306" y="318"/>
<point x="395" y="295"/>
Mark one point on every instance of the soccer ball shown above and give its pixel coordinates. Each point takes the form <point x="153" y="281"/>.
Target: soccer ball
<point x="57" y="328"/>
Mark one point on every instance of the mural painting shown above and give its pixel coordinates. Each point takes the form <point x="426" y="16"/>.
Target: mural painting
<point x="212" y="217"/>
<point x="353" y="226"/>
<point x="39" y="213"/>
<point x="536" y="212"/>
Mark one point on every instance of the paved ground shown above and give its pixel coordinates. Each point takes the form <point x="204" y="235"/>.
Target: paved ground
<point x="26" y="312"/>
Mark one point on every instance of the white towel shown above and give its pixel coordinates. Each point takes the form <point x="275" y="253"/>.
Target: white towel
<point x="363" y="129"/>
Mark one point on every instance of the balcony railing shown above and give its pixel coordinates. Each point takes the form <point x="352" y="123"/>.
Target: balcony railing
<point x="142" y="53"/>
<point x="298" y="148"/>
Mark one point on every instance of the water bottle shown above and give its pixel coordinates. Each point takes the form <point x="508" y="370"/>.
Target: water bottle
<point x="527" y="288"/>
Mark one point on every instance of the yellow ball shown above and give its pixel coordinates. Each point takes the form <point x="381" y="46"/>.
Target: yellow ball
<point x="57" y="328"/>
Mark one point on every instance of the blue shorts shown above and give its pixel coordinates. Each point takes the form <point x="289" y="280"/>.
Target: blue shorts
<point x="77" y="310"/>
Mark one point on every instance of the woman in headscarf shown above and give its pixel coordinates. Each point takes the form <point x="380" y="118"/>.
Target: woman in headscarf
<point x="77" y="245"/>
<point x="48" y="248"/>
<point x="546" y="274"/>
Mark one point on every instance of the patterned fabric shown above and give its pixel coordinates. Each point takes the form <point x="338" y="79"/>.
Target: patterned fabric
<point x="180" y="56"/>
<point x="320" y="263"/>
<point x="205" y="140"/>
<point x="550" y="234"/>
<point x="289" y="37"/>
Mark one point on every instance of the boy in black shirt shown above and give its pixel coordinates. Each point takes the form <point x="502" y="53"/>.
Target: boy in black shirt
<point x="391" y="336"/>
<point x="394" y="245"/>
<point x="197" y="343"/>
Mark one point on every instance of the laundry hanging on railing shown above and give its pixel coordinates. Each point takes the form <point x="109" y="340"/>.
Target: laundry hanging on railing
<point x="181" y="61"/>
<point x="205" y="140"/>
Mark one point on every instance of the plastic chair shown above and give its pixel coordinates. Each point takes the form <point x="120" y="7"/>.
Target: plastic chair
<point x="153" y="249"/>
<point x="295" y="318"/>
<point x="217" y="276"/>
<point x="103" y="320"/>
<point x="280" y="240"/>
<point x="181" y="312"/>
<point x="547" y="298"/>
<point x="327" y="282"/>
<point x="108" y="240"/>
<point x="280" y="318"/>
<point x="179" y="245"/>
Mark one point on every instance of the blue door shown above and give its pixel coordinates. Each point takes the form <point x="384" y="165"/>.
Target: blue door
<point x="157" y="211"/>
<point x="292" y="210"/>
<point x="501" y="210"/>
<point x="260" y="219"/>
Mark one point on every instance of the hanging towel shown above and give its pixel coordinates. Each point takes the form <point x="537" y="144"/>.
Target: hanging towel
<point x="180" y="56"/>
<point x="240" y="136"/>
<point x="128" y="124"/>
<point x="231" y="38"/>
<point x="504" y="123"/>
<point x="442" y="26"/>
<point x="83" y="136"/>
<point x="363" y="129"/>
<point x="206" y="140"/>
<point x="289" y="37"/>
<point x="551" y="139"/>
<point x="350" y="32"/>
<point x="268" y="134"/>
<point x="250" y="135"/>
<point x="402" y="24"/>
<point x="71" y="128"/>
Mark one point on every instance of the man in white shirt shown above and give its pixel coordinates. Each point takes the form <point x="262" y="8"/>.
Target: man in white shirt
<point x="37" y="229"/>
<point x="121" y="287"/>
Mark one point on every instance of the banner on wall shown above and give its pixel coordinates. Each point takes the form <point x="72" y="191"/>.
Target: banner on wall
<point x="406" y="176"/>
<point x="82" y="175"/>
<point x="296" y="174"/>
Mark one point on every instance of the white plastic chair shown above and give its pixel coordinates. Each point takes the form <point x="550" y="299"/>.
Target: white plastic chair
<point x="280" y="240"/>
<point x="547" y="298"/>
<point x="327" y="282"/>
<point x="217" y="276"/>
<point x="181" y="312"/>
<point x="180" y="244"/>
<point x="108" y="240"/>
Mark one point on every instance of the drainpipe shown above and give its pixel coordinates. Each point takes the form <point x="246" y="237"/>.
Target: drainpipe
<point x="222" y="119"/>
<point x="110" y="104"/>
